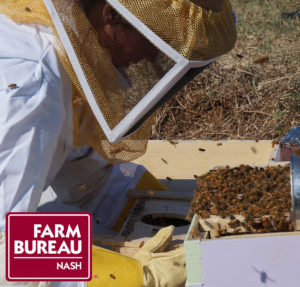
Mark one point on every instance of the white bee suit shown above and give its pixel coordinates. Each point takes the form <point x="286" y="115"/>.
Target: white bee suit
<point x="36" y="137"/>
<point x="33" y="116"/>
<point x="33" y="123"/>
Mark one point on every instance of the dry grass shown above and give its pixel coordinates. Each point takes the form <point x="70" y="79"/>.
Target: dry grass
<point x="237" y="98"/>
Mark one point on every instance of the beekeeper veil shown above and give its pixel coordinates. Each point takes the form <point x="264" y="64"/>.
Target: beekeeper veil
<point x="181" y="39"/>
<point x="114" y="97"/>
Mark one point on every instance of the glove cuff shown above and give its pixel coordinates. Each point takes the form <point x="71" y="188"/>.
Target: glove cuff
<point x="149" y="280"/>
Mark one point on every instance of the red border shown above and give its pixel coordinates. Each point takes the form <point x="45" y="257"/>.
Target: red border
<point x="48" y="213"/>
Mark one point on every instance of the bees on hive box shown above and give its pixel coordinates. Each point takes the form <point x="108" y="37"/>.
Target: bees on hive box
<point x="260" y="195"/>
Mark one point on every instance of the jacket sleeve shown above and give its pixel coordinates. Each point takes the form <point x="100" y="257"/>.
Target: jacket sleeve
<point x="31" y="116"/>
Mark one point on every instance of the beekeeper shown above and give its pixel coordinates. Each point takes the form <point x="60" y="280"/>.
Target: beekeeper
<point x="79" y="81"/>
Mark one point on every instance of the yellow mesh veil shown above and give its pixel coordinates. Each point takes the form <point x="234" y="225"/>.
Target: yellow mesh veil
<point x="86" y="128"/>
<point x="195" y="33"/>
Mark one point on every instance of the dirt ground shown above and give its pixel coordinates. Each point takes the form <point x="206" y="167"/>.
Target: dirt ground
<point x="251" y="93"/>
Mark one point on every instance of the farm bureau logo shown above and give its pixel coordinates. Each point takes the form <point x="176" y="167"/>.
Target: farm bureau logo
<point x="48" y="246"/>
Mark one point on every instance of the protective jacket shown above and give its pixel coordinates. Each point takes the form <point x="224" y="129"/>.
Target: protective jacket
<point x="36" y="140"/>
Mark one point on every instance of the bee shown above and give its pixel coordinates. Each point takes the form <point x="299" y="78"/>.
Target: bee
<point x="13" y="86"/>
<point x="174" y="143"/>
<point x="201" y="149"/>
<point x="236" y="231"/>
<point x="219" y="144"/>
<point x="257" y="220"/>
<point x="254" y="150"/>
<point x="164" y="161"/>
<point x="194" y="234"/>
<point x="77" y="101"/>
<point x="82" y="187"/>
<point x="262" y="59"/>
<point x="234" y="223"/>
<point x="112" y="276"/>
<point x="27" y="9"/>
<point x="116" y="150"/>
<point x="274" y="142"/>
<point x="280" y="225"/>
<point x="297" y="151"/>
<point x="214" y="211"/>
<point x="291" y="144"/>
<point x="175" y="246"/>
<point x="287" y="214"/>
<point x="265" y="222"/>
<point x="150" y="192"/>
<point x="142" y="244"/>
<point x="169" y="178"/>
<point x="197" y="133"/>
<point x="205" y="215"/>
<point x="221" y="231"/>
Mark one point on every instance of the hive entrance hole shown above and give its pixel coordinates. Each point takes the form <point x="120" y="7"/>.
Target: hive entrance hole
<point x="164" y="220"/>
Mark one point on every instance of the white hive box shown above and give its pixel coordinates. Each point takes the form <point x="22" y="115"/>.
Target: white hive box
<point x="270" y="259"/>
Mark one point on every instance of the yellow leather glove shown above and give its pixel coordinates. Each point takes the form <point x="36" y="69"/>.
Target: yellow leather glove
<point x="111" y="269"/>
<point x="151" y="267"/>
<point x="162" y="269"/>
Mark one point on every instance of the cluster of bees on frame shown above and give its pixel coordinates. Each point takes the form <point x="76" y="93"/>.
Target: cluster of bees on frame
<point x="260" y="195"/>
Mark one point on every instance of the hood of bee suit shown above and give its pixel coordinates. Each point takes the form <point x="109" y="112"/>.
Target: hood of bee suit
<point x="113" y="107"/>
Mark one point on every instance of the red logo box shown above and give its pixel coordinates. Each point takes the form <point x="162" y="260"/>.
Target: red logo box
<point x="48" y="246"/>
